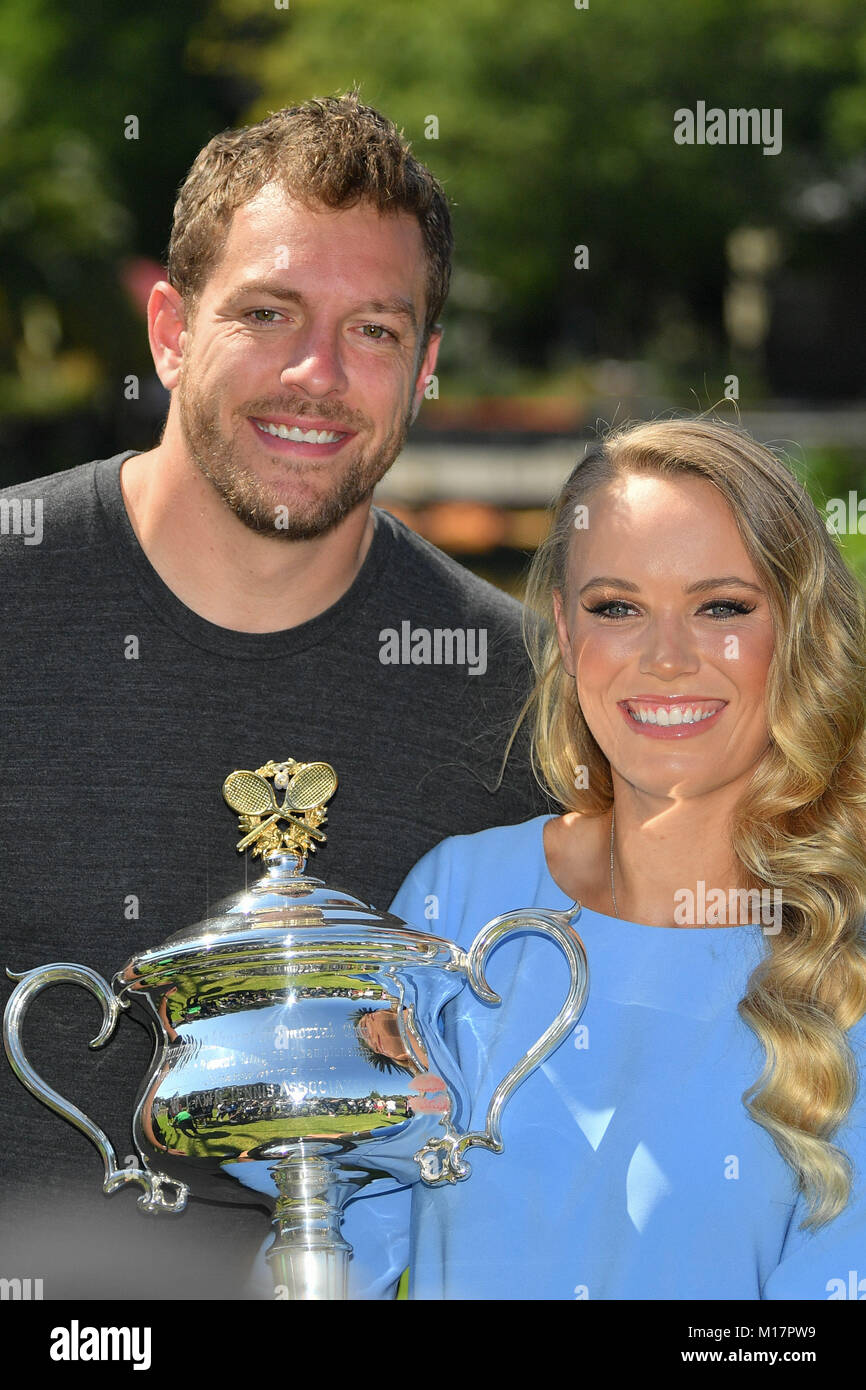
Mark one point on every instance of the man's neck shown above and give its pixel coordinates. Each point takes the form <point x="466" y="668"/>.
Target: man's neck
<point x="220" y="568"/>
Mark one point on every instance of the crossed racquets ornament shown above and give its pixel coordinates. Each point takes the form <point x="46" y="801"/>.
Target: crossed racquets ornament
<point x="307" y="788"/>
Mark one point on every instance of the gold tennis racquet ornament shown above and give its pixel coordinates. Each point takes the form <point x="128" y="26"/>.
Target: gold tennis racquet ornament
<point x="307" y="786"/>
<point x="298" y="1057"/>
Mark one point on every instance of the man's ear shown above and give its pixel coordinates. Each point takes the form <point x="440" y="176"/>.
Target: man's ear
<point x="167" y="330"/>
<point x="427" y="368"/>
<point x="562" y="632"/>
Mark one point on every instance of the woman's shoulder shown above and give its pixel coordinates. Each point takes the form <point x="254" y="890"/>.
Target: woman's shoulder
<point x="468" y="872"/>
<point x="495" y="845"/>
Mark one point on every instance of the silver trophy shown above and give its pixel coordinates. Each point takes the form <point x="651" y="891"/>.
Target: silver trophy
<point x="297" y="1055"/>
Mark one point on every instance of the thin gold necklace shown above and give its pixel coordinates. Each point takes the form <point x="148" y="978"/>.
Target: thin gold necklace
<point x="612" y="889"/>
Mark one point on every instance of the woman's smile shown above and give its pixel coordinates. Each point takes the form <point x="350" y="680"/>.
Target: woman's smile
<point x="668" y="717"/>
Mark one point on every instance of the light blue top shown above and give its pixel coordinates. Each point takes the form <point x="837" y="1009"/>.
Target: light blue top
<point x="631" y="1168"/>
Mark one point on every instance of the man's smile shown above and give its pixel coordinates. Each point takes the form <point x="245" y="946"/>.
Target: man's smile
<point x="312" y="438"/>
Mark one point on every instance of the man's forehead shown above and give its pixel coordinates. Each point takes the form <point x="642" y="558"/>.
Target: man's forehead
<point x="288" y="228"/>
<point x="279" y="242"/>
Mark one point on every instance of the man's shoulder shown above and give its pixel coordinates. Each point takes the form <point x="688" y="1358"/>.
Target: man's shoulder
<point x="433" y="580"/>
<point x="69" y="483"/>
<point x="54" y="513"/>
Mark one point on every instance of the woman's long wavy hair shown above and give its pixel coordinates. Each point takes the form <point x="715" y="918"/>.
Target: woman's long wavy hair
<point x="800" y="826"/>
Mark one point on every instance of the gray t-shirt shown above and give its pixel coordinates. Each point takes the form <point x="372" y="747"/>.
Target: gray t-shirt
<point x="123" y="712"/>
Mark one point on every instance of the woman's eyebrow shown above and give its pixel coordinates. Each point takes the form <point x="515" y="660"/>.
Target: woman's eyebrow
<point x="700" y="586"/>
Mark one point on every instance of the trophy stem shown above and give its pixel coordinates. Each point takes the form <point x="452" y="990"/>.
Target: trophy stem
<point x="309" y="1258"/>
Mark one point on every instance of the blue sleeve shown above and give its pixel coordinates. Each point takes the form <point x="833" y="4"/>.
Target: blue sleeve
<point x="831" y="1262"/>
<point x="423" y="895"/>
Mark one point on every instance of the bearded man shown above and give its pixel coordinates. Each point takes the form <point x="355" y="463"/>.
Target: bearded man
<point x="223" y="599"/>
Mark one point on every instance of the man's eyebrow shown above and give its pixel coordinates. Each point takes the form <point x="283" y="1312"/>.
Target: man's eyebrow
<point x="276" y="288"/>
<point x="397" y="306"/>
<point x="699" y="587"/>
<point x="400" y="307"/>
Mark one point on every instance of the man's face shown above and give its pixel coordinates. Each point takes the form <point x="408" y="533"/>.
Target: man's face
<point x="301" y="371"/>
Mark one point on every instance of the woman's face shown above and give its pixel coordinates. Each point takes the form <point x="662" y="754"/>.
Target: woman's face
<point x="668" y="632"/>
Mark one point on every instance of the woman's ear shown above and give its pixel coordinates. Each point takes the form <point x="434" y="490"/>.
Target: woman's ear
<point x="562" y="632"/>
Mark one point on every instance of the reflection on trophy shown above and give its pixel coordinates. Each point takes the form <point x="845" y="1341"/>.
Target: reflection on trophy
<point x="298" y="1055"/>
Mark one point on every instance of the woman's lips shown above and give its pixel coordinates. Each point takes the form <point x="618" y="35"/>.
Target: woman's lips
<point x="670" y="730"/>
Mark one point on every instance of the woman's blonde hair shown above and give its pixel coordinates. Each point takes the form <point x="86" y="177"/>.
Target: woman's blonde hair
<point x="800" y="827"/>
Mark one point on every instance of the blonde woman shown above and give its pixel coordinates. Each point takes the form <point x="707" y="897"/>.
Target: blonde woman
<point x="699" y="714"/>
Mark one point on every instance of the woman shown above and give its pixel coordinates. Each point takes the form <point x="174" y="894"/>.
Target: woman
<point x="699" y="712"/>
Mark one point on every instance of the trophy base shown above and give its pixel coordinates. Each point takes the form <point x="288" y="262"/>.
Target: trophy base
<point x="309" y="1259"/>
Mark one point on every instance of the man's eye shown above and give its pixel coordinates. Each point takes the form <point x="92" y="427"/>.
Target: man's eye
<point x="376" y="331"/>
<point x="255" y="312"/>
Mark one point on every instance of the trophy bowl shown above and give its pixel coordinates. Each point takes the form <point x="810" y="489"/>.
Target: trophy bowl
<point x="298" y="1058"/>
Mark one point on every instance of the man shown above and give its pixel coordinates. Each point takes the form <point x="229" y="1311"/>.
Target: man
<point x="227" y="598"/>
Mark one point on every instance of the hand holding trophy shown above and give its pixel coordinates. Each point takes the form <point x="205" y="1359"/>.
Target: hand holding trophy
<point x="297" y="1055"/>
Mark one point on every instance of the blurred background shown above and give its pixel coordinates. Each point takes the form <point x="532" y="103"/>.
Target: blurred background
<point x="603" y="271"/>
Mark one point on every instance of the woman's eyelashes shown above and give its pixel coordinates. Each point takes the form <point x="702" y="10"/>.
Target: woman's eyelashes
<point x="734" y="607"/>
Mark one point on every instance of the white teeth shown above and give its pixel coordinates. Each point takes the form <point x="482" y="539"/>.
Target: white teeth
<point x="299" y="436"/>
<point x="677" y="714"/>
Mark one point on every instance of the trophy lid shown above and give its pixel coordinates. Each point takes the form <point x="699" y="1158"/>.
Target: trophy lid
<point x="287" y="915"/>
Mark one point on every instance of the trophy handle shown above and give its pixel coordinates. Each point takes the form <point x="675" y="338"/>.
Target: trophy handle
<point x="441" y="1160"/>
<point x="31" y="983"/>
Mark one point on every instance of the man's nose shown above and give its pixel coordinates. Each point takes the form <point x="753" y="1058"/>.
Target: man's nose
<point x="315" y="362"/>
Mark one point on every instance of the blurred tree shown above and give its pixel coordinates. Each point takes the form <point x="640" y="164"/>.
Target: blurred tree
<point x="100" y="115"/>
<point x="555" y="129"/>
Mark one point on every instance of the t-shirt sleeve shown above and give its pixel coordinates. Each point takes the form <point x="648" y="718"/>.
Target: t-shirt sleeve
<point x="830" y="1263"/>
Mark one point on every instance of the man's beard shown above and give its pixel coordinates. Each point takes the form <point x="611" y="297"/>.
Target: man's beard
<point x="260" y="506"/>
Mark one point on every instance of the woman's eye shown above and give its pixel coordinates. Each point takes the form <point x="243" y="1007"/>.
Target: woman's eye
<point x="732" y="606"/>
<point x="603" y="608"/>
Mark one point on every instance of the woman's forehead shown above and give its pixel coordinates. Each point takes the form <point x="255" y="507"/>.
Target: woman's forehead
<point x="646" y="505"/>
<point x="655" y="524"/>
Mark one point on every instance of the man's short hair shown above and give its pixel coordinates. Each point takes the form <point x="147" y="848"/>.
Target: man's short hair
<point x="331" y="151"/>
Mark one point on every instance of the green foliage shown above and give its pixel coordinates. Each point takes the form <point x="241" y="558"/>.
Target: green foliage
<point x="834" y="473"/>
<point x="556" y="129"/>
<point x="76" y="196"/>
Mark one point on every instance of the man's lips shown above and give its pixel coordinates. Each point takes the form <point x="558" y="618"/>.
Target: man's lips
<point x="299" y="436"/>
<point x="303" y="423"/>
